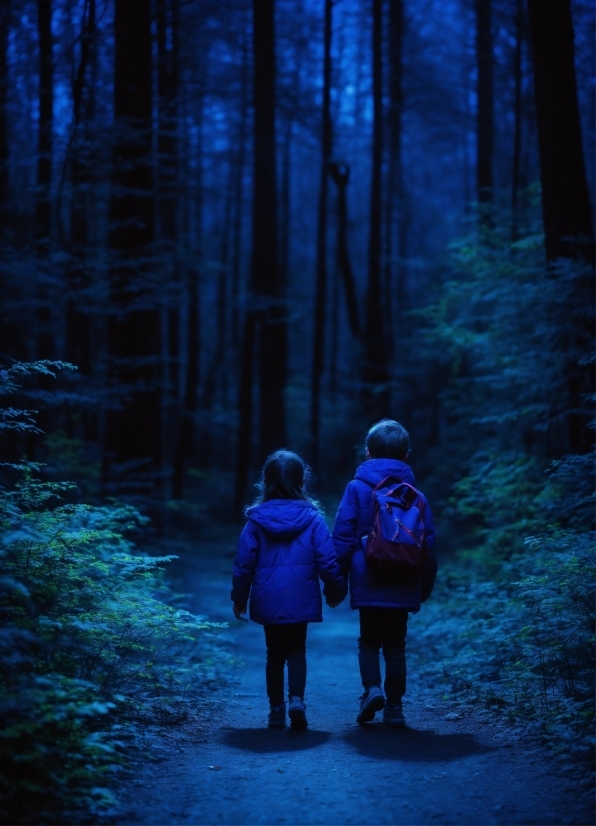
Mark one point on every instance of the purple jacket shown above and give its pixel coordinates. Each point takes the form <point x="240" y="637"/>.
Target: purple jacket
<point x="368" y="587"/>
<point x="283" y="550"/>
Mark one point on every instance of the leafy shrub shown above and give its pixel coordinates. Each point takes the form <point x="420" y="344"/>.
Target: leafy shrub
<point x="89" y="645"/>
<point x="513" y="626"/>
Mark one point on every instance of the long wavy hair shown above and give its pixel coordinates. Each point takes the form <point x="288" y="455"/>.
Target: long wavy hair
<point x="284" y="476"/>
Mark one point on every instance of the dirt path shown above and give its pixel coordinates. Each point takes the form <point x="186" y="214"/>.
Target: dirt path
<point x="468" y="770"/>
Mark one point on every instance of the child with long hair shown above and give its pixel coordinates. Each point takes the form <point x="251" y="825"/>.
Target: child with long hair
<point x="283" y="550"/>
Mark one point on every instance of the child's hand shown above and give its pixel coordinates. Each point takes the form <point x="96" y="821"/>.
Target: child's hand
<point x="239" y="608"/>
<point x="333" y="604"/>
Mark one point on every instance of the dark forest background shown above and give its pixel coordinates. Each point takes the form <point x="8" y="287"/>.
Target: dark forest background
<point x="254" y="225"/>
<point x="235" y="226"/>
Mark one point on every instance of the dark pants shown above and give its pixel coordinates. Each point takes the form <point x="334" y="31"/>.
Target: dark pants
<point x="285" y="643"/>
<point x="384" y="628"/>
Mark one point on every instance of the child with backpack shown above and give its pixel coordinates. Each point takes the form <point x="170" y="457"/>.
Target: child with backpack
<point x="283" y="549"/>
<point x="385" y="540"/>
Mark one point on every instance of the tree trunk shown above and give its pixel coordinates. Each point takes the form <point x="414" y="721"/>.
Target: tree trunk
<point x="167" y="171"/>
<point x="265" y="282"/>
<point x="184" y="449"/>
<point x="239" y="200"/>
<point x="43" y="215"/>
<point x="565" y="200"/>
<point x="4" y="179"/>
<point x="132" y="447"/>
<point x="78" y="343"/>
<point x="186" y="436"/>
<point x="517" y="113"/>
<point x="318" y="362"/>
<point x="375" y="364"/>
<point x="43" y="204"/>
<point x="395" y="227"/>
<point x="485" y="93"/>
<point x="340" y="173"/>
<point x="265" y="264"/>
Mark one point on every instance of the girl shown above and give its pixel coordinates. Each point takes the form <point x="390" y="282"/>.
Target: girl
<point x="283" y="550"/>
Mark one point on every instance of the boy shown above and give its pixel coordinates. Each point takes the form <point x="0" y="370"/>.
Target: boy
<point x="383" y="599"/>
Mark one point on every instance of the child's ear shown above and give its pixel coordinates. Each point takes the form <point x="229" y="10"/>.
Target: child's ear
<point x="366" y="453"/>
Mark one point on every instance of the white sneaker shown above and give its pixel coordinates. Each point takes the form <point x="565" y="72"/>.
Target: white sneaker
<point x="297" y="712"/>
<point x="371" y="701"/>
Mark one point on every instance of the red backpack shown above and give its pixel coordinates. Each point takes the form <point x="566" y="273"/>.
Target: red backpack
<point x="397" y="539"/>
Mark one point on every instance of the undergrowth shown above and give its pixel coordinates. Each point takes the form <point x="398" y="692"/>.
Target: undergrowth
<point x="92" y="644"/>
<point x="511" y="623"/>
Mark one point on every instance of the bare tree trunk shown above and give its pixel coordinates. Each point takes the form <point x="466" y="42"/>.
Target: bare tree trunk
<point x="239" y="199"/>
<point x="318" y="362"/>
<point x="565" y="200"/>
<point x="78" y="340"/>
<point x="396" y="224"/>
<point x="215" y="378"/>
<point x="340" y="173"/>
<point x="184" y="448"/>
<point x="132" y="446"/>
<point x="517" y="112"/>
<point x="375" y="364"/>
<point x="4" y="157"/>
<point x="265" y="264"/>
<point x="566" y="208"/>
<point x="485" y="93"/>
<point x="265" y="282"/>
<point x="43" y="202"/>
<point x="167" y="171"/>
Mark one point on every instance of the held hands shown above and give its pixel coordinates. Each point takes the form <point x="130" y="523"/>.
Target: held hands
<point x="239" y="608"/>
<point x="333" y="604"/>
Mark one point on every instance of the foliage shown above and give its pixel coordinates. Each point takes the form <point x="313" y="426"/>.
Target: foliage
<point x="89" y="647"/>
<point x="514" y="623"/>
<point x="522" y="645"/>
<point x="513" y="331"/>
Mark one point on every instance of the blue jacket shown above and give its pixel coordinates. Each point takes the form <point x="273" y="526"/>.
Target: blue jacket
<point x="368" y="587"/>
<point x="283" y="550"/>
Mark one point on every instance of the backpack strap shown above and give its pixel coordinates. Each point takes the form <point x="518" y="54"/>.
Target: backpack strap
<point x="385" y="483"/>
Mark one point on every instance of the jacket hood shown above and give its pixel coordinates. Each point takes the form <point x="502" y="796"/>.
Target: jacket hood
<point x="374" y="471"/>
<point x="284" y="518"/>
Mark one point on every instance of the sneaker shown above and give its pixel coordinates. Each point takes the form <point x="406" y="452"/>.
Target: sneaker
<point x="393" y="715"/>
<point x="371" y="701"/>
<point x="297" y="712"/>
<point x="277" y="716"/>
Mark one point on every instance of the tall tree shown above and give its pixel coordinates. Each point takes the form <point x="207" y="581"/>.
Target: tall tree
<point x="43" y="193"/>
<point x="321" y="280"/>
<point x="167" y="176"/>
<point x="340" y="174"/>
<point x="565" y="199"/>
<point x="78" y="339"/>
<point x="4" y="179"/>
<point x="43" y="209"/>
<point x="132" y="445"/>
<point x="485" y="126"/>
<point x="240" y="163"/>
<point x="395" y="223"/>
<point x="517" y="110"/>
<point x="375" y="357"/>
<point x="266" y="316"/>
<point x="194" y="234"/>
<point x="568" y="231"/>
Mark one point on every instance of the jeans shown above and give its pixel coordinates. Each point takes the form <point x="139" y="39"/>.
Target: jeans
<point x="384" y="628"/>
<point x="285" y="643"/>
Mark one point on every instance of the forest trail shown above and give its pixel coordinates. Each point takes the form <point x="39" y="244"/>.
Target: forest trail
<point x="444" y="767"/>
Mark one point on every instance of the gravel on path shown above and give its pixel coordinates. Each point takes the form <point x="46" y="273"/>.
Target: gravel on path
<point x="445" y="767"/>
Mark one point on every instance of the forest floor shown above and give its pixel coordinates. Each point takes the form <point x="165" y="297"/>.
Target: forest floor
<point x="447" y="766"/>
